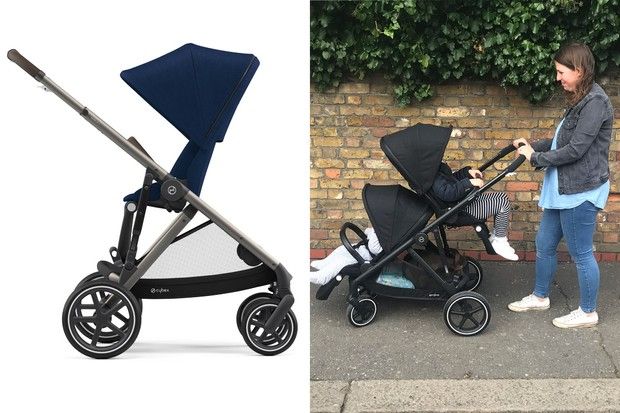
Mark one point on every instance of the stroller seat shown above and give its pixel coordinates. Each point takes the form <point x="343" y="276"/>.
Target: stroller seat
<point x="197" y="90"/>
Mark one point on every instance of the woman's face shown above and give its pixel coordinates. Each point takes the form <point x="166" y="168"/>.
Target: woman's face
<point x="568" y="77"/>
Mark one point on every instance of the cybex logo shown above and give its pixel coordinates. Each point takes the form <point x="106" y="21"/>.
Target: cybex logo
<point x="159" y="290"/>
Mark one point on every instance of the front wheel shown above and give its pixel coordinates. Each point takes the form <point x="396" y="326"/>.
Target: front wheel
<point x="267" y="343"/>
<point x="362" y="313"/>
<point x="241" y="311"/>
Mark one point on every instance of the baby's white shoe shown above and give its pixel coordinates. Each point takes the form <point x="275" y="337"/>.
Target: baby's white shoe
<point x="503" y="248"/>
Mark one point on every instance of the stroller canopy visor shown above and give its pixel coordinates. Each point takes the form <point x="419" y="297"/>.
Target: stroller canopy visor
<point x="416" y="152"/>
<point x="195" y="88"/>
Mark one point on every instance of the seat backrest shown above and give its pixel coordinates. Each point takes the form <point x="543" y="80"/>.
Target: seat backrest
<point x="192" y="165"/>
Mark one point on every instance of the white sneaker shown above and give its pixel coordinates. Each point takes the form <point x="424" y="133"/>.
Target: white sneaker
<point x="492" y="237"/>
<point x="577" y="319"/>
<point x="531" y="302"/>
<point x="503" y="248"/>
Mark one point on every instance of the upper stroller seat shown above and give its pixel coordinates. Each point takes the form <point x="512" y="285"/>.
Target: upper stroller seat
<point x="197" y="90"/>
<point x="416" y="152"/>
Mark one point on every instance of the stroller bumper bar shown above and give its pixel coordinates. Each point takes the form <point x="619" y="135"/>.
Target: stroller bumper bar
<point x="143" y="158"/>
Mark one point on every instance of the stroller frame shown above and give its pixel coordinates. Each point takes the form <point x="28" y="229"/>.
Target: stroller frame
<point x="127" y="271"/>
<point x="362" y="309"/>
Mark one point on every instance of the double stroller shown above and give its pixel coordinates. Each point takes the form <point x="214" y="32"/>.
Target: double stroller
<point x="197" y="90"/>
<point x="411" y="264"/>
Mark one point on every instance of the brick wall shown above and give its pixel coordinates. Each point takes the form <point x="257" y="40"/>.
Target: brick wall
<point x="347" y="123"/>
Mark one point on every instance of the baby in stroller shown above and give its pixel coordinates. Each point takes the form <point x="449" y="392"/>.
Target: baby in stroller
<point x="449" y="187"/>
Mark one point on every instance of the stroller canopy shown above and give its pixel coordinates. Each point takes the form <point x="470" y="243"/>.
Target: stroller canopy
<point x="197" y="90"/>
<point x="395" y="212"/>
<point x="416" y="152"/>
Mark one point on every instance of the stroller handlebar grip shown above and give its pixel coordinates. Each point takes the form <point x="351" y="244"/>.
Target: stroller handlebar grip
<point x="515" y="164"/>
<point x="14" y="56"/>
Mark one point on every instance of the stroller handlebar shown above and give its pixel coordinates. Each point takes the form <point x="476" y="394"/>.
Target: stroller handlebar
<point x="515" y="164"/>
<point x="505" y="151"/>
<point x="14" y="56"/>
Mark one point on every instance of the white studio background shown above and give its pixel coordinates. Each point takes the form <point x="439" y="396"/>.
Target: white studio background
<point x="61" y="203"/>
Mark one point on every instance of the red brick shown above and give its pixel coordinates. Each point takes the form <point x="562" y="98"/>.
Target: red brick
<point x="608" y="256"/>
<point x="332" y="173"/>
<point x="317" y="254"/>
<point x="318" y="234"/>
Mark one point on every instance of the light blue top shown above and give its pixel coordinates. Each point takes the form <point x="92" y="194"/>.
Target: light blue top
<point x="551" y="198"/>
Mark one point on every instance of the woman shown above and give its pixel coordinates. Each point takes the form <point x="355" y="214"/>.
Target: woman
<point x="575" y="186"/>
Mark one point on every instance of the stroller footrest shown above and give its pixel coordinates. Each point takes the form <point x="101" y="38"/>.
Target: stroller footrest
<point x="278" y="315"/>
<point x="326" y="289"/>
<point x="483" y="233"/>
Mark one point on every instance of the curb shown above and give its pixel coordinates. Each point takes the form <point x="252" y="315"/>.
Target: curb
<point x="494" y="395"/>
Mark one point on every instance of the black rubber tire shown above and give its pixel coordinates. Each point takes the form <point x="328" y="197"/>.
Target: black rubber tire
<point x="474" y="268"/>
<point x="256" y="314"/>
<point x="244" y="305"/>
<point x="467" y="313"/>
<point x="98" y="291"/>
<point x="363" y="313"/>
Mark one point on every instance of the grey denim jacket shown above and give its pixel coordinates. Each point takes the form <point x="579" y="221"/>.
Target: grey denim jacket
<point x="582" y="152"/>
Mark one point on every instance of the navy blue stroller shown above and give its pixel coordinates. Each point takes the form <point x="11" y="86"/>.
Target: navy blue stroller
<point x="197" y="90"/>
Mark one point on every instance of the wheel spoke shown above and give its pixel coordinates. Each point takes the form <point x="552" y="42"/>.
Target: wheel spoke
<point x="463" y="320"/>
<point x="77" y="320"/>
<point x="96" y="301"/>
<point x="116" y="330"/>
<point x="86" y="306"/>
<point x="116" y="307"/>
<point x="96" y="335"/>
<point x="120" y="317"/>
<point x="473" y="320"/>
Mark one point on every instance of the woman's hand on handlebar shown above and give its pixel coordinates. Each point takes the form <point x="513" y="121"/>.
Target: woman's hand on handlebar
<point x="519" y="141"/>
<point x="474" y="173"/>
<point x="525" y="150"/>
<point x="477" y="182"/>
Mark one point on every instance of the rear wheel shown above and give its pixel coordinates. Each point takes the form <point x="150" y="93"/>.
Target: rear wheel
<point x="467" y="313"/>
<point x="101" y="319"/>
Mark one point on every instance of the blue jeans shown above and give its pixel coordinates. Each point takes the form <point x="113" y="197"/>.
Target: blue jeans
<point x="576" y="226"/>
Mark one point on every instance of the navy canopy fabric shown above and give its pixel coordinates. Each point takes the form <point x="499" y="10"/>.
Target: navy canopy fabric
<point x="197" y="90"/>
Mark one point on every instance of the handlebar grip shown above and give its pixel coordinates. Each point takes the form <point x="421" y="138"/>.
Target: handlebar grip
<point x="25" y="64"/>
<point x="515" y="164"/>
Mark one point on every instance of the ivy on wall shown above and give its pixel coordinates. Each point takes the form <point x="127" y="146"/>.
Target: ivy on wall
<point x="418" y="43"/>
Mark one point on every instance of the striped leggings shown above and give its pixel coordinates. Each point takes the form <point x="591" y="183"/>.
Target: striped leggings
<point x="492" y="203"/>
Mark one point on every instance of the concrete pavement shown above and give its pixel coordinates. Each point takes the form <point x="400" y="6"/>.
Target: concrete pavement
<point x="408" y="351"/>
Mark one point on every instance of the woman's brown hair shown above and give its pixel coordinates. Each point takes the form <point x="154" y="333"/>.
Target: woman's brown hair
<point x="577" y="56"/>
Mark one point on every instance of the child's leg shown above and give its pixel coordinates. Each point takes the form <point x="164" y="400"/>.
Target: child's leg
<point x="498" y="205"/>
<point x="492" y="203"/>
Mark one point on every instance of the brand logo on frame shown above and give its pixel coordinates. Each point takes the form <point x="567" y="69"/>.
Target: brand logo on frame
<point x="159" y="290"/>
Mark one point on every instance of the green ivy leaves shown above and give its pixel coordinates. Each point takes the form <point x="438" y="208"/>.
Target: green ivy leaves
<point x="417" y="43"/>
